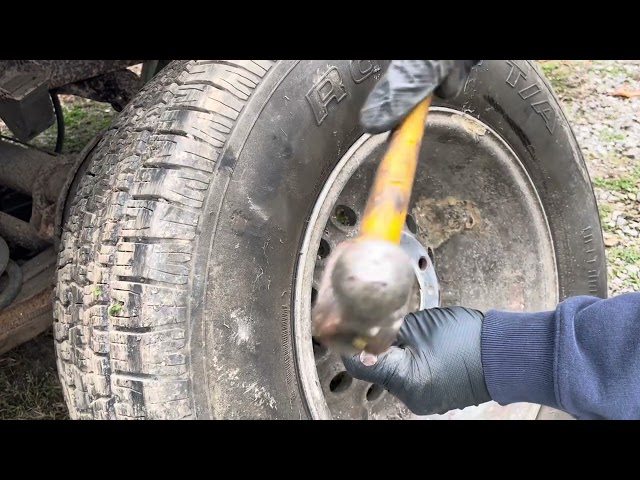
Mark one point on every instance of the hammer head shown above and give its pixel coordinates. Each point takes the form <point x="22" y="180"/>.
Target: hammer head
<point x="363" y="297"/>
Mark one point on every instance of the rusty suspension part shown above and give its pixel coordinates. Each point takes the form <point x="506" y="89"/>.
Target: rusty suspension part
<point x="12" y="281"/>
<point x="30" y="313"/>
<point x="42" y="176"/>
<point x="23" y="169"/>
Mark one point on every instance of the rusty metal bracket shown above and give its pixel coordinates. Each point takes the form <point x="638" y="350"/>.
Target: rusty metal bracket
<point x="20" y="233"/>
<point x="31" y="313"/>
<point x="12" y="281"/>
<point x="116" y="88"/>
<point x="53" y="74"/>
<point x="39" y="175"/>
<point x="30" y="116"/>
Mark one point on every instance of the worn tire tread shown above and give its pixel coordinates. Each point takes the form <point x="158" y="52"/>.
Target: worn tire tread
<point x="125" y="264"/>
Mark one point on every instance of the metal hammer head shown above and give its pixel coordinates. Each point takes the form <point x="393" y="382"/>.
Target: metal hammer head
<point x="370" y="284"/>
<point x="372" y="279"/>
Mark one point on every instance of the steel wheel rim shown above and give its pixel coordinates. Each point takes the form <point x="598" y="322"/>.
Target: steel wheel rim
<point x="313" y="382"/>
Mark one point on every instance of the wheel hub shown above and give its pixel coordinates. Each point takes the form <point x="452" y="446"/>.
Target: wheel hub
<point x="348" y="397"/>
<point x="450" y="224"/>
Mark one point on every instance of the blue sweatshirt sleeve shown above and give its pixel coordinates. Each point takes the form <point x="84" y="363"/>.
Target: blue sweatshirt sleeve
<point x="583" y="358"/>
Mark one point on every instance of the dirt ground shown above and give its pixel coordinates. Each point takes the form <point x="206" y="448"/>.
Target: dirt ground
<point x="602" y="101"/>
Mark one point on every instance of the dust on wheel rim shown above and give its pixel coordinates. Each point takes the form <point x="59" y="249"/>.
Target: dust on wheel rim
<point x="328" y="390"/>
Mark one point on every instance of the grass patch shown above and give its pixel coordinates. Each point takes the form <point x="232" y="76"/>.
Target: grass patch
<point x="557" y="72"/>
<point x="115" y="308"/>
<point x="29" y="385"/>
<point x="616" y="160"/>
<point x="605" y="212"/>
<point x="550" y="66"/>
<point x="626" y="184"/>
<point x="83" y="119"/>
<point x="628" y="255"/>
<point x="605" y="70"/>
<point x="609" y="135"/>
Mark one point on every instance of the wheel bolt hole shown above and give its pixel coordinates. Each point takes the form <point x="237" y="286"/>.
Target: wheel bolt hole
<point x="411" y="224"/>
<point x="345" y="216"/>
<point x="423" y="263"/>
<point x="470" y="222"/>
<point x="318" y="349"/>
<point x="324" y="250"/>
<point x="374" y="392"/>
<point x="340" y="382"/>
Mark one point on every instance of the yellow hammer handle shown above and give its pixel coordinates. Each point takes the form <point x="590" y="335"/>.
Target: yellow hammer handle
<point x="386" y="210"/>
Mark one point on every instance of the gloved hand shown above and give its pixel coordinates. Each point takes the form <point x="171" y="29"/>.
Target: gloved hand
<point x="405" y="84"/>
<point x="436" y="365"/>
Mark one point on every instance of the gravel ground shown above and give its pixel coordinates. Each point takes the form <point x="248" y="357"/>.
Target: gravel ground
<point x="607" y="127"/>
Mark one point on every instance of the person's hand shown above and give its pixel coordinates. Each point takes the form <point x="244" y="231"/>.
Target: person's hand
<point x="405" y="84"/>
<point x="436" y="364"/>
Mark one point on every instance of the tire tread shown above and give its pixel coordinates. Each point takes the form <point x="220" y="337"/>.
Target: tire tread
<point x="121" y="306"/>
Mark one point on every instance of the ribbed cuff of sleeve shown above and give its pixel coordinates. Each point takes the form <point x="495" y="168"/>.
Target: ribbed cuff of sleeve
<point x="518" y="357"/>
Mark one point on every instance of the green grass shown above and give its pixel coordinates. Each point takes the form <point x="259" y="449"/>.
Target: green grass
<point x="550" y="66"/>
<point x="29" y="385"/>
<point x="626" y="256"/>
<point x="608" y="70"/>
<point x="605" y="213"/>
<point x="557" y="73"/>
<point x="83" y="119"/>
<point x="609" y="135"/>
<point x="629" y="255"/>
<point x="626" y="185"/>
<point x="564" y="75"/>
<point x="616" y="160"/>
<point x="115" y="308"/>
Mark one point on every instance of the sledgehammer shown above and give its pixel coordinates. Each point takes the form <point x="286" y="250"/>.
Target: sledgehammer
<point x="365" y="292"/>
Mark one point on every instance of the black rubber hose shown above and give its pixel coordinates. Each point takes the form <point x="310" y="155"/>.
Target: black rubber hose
<point x="60" y="121"/>
<point x="14" y="274"/>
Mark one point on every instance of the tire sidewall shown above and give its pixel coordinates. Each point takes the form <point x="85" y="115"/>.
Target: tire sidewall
<point x="281" y="152"/>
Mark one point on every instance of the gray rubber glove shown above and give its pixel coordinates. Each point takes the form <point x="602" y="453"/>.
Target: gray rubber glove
<point x="436" y="365"/>
<point x="405" y="84"/>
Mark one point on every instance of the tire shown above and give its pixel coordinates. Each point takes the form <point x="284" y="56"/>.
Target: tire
<point x="178" y="252"/>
